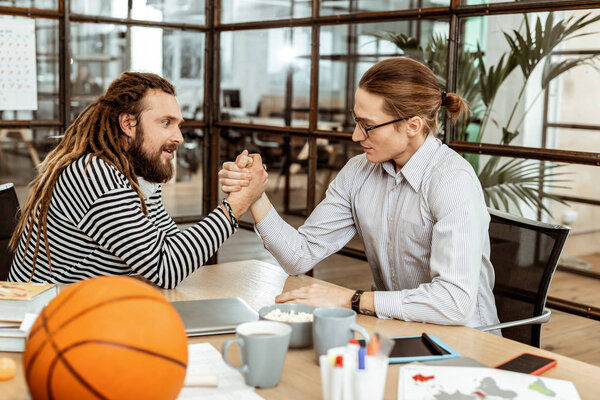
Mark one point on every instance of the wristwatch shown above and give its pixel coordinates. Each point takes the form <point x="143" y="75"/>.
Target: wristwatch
<point x="355" y="301"/>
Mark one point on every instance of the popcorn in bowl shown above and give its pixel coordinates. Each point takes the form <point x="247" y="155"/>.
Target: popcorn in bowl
<point x="292" y="316"/>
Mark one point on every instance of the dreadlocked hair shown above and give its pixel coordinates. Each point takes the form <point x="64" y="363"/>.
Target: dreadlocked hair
<point x="97" y="132"/>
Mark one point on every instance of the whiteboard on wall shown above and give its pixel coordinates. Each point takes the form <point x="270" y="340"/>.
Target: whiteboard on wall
<point x="18" y="78"/>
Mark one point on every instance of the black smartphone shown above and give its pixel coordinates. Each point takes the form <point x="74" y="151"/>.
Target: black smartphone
<point x="528" y="363"/>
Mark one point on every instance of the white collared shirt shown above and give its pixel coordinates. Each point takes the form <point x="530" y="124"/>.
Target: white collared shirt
<point x="424" y="229"/>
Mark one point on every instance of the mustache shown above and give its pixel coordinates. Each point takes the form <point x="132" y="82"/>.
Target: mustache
<point x="170" y="147"/>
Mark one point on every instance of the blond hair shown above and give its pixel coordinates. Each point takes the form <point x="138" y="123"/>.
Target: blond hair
<point x="411" y="89"/>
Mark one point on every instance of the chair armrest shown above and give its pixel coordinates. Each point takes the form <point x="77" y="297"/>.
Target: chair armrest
<point x="540" y="319"/>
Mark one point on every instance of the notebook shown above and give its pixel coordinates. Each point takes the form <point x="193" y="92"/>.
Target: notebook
<point x="214" y="316"/>
<point x="19" y="298"/>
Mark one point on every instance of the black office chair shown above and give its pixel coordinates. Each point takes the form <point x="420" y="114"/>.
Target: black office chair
<point x="9" y="215"/>
<point x="524" y="254"/>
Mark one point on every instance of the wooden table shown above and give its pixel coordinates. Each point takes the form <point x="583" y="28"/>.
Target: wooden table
<point x="258" y="283"/>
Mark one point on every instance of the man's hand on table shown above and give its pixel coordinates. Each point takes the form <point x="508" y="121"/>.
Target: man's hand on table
<point x="318" y="295"/>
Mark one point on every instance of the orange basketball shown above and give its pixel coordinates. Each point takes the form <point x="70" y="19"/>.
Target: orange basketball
<point x="107" y="338"/>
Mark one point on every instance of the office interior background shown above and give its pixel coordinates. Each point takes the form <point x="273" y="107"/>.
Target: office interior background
<point x="278" y="77"/>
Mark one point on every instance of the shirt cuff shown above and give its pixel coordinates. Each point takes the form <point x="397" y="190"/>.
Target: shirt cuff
<point x="269" y="227"/>
<point x="388" y="304"/>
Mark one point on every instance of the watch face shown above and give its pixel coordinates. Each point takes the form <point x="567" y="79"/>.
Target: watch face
<point x="356" y="300"/>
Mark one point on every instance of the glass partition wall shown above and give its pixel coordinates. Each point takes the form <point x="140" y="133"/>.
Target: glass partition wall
<point x="278" y="77"/>
<point x="81" y="47"/>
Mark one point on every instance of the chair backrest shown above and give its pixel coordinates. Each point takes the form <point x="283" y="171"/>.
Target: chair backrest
<point x="524" y="254"/>
<point x="9" y="215"/>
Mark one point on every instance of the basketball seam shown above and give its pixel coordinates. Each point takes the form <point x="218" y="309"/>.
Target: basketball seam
<point x="85" y="383"/>
<point x="49" y="333"/>
<point x="97" y="305"/>
<point x="58" y="356"/>
<point x="125" y="346"/>
<point x="59" y="306"/>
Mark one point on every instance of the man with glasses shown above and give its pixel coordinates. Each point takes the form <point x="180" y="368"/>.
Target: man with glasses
<point x="416" y="204"/>
<point x="366" y="128"/>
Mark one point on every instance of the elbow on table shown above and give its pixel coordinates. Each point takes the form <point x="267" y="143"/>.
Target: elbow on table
<point x="167" y="283"/>
<point x="460" y="314"/>
<point x="296" y="268"/>
<point x="460" y="320"/>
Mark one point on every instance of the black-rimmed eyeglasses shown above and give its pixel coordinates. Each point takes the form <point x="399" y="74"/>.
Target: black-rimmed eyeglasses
<point x="366" y="129"/>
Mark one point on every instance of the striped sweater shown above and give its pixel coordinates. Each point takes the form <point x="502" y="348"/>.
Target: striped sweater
<point x="96" y="227"/>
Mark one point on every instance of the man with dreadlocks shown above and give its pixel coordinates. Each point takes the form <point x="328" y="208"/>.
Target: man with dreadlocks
<point x="95" y="207"/>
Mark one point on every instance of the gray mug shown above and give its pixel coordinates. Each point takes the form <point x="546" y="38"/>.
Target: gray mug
<point x="263" y="346"/>
<point x="333" y="327"/>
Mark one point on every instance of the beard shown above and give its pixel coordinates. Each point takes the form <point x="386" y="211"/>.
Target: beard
<point x="151" y="167"/>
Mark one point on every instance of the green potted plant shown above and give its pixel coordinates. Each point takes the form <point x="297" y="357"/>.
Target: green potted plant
<point x="518" y="181"/>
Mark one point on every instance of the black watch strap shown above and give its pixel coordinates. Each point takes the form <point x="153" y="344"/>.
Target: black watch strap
<point x="355" y="301"/>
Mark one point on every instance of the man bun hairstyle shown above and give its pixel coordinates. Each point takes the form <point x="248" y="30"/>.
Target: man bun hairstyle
<point x="410" y="89"/>
<point x="455" y="106"/>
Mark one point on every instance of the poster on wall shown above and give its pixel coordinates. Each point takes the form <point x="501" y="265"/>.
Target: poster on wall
<point x="18" y="78"/>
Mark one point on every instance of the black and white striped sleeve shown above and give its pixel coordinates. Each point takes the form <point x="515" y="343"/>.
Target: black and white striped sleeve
<point x="117" y="223"/>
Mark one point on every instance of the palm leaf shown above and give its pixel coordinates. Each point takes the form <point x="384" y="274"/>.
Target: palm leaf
<point x="553" y="70"/>
<point x="578" y="24"/>
<point x="490" y="80"/>
<point x="528" y="51"/>
<point x="436" y="56"/>
<point x="517" y="183"/>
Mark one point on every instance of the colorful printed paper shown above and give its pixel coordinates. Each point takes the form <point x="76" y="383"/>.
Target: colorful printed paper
<point x="420" y="382"/>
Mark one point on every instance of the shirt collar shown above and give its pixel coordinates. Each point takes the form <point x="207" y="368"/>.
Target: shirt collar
<point x="416" y="166"/>
<point x="148" y="188"/>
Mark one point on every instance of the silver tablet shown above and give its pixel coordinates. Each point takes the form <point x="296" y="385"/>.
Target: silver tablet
<point x="214" y="316"/>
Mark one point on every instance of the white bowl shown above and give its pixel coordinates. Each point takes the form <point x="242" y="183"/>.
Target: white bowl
<point x="301" y="331"/>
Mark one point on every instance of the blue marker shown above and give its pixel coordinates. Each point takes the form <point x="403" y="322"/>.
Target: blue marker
<point x="361" y="358"/>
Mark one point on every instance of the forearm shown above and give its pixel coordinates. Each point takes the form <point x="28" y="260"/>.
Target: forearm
<point x="436" y="302"/>
<point x="260" y="208"/>
<point x="285" y="244"/>
<point x="238" y="206"/>
<point x="147" y="249"/>
<point x="181" y="254"/>
<point x="323" y="233"/>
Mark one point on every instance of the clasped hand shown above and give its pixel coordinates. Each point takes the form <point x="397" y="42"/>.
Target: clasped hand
<point x="237" y="174"/>
<point x="247" y="173"/>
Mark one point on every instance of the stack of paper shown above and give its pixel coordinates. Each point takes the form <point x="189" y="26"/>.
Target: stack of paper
<point x="18" y="299"/>
<point x="422" y="382"/>
<point x="13" y="338"/>
<point x="204" y="359"/>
